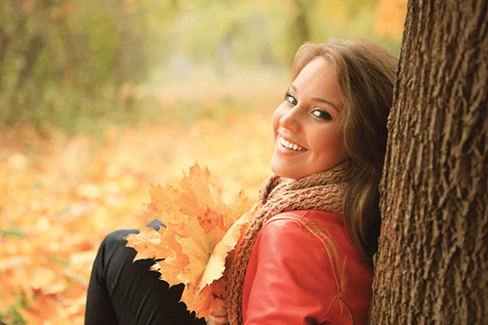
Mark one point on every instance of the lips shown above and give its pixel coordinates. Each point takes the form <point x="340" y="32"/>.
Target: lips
<point x="290" y="145"/>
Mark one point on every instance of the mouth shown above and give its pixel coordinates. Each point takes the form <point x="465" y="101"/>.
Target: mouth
<point x="290" y="145"/>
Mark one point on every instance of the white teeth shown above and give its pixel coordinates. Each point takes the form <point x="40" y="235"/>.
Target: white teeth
<point x="291" y="146"/>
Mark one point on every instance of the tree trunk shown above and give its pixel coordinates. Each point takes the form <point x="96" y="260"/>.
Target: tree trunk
<point x="432" y="263"/>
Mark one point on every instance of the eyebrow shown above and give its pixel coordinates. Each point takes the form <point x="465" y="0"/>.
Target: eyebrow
<point x="317" y="99"/>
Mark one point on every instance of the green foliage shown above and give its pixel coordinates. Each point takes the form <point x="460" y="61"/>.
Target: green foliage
<point x="12" y="232"/>
<point x="62" y="61"/>
<point x="76" y="64"/>
<point x="11" y="315"/>
<point x="268" y="32"/>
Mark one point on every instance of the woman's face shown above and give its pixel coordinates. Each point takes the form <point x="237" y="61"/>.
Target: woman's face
<point x="306" y="126"/>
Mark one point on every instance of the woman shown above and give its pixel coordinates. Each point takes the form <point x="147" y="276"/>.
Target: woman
<point x="306" y="257"/>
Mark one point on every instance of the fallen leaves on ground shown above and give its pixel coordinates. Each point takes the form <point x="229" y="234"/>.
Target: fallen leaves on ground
<point x="61" y="195"/>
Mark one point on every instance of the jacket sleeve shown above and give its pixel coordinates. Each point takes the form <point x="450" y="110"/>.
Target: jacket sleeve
<point x="289" y="279"/>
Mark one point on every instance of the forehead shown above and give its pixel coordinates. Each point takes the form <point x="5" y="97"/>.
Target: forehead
<point x="319" y="79"/>
<point x="319" y="69"/>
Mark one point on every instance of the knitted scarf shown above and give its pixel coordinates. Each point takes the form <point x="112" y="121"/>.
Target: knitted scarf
<point x="321" y="191"/>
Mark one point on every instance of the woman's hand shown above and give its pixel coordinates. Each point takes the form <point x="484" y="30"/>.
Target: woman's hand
<point x="218" y="316"/>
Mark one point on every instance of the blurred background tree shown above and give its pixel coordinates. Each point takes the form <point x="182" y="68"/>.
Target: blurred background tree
<point x="80" y="64"/>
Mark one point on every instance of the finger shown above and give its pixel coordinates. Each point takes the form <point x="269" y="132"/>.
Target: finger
<point x="220" y="320"/>
<point x="219" y="312"/>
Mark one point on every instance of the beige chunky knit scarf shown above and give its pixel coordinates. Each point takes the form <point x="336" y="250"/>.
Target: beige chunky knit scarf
<point x="321" y="191"/>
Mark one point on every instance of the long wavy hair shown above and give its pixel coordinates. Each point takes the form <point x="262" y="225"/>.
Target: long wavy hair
<point x="366" y="73"/>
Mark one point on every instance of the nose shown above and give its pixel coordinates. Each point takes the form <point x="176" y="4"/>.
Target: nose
<point x="291" y="119"/>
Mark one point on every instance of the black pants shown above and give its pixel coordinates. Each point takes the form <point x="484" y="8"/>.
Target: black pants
<point x="123" y="292"/>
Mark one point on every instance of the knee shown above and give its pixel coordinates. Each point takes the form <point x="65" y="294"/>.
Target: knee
<point x="113" y="249"/>
<point x="113" y="254"/>
<point x="117" y="238"/>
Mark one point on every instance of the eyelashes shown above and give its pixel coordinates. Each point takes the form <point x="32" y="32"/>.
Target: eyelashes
<point x="317" y="112"/>
<point x="321" y="114"/>
<point x="291" y="99"/>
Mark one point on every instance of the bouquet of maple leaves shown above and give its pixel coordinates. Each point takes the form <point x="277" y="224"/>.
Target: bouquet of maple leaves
<point x="196" y="246"/>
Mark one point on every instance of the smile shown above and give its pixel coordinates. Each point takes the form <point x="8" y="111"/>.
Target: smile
<point x="292" y="146"/>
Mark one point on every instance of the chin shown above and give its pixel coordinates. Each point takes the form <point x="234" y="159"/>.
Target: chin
<point x="286" y="173"/>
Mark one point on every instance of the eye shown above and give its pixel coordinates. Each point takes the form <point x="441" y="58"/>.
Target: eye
<point x="290" y="99"/>
<point x="321" y="114"/>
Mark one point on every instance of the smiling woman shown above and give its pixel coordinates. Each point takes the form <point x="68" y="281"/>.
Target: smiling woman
<point x="306" y="256"/>
<point x="330" y="140"/>
<point x="307" y="128"/>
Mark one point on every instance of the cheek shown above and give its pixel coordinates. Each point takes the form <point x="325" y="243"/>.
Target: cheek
<point x="339" y="150"/>
<point x="329" y="144"/>
<point x="276" y="118"/>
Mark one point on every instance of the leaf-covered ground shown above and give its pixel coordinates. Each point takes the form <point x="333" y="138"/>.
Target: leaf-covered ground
<point x="60" y="195"/>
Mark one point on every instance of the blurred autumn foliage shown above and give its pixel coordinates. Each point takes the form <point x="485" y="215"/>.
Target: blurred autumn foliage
<point x="100" y="99"/>
<point x="59" y="198"/>
<point x="79" y="64"/>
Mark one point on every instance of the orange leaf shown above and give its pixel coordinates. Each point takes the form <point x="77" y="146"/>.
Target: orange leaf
<point x="216" y="264"/>
<point x="201" y="233"/>
<point x="146" y="242"/>
<point x="209" y="297"/>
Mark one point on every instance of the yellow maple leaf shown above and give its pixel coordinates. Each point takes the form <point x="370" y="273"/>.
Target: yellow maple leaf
<point x="216" y="263"/>
<point x="207" y="299"/>
<point x="200" y="234"/>
<point x="147" y="244"/>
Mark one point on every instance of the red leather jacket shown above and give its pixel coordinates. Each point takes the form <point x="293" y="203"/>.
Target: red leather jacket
<point x="305" y="269"/>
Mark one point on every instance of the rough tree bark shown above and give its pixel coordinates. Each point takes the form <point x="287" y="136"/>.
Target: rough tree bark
<point x="432" y="263"/>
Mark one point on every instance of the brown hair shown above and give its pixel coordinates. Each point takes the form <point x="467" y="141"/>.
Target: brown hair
<point x="366" y="73"/>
